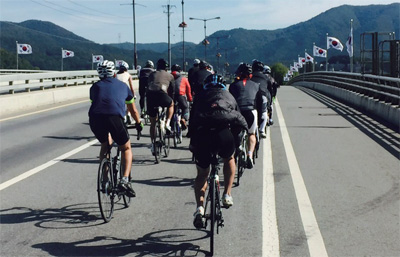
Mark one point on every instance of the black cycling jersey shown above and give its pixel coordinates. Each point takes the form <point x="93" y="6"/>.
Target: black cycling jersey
<point x="246" y="93"/>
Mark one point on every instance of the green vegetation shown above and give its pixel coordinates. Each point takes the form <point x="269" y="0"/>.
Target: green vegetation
<point x="276" y="48"/>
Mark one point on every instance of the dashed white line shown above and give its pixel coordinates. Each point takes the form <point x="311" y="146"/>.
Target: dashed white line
<point x="33" y="171"/>
<point x="270" y="232"/>
<point x="315" y="241"/>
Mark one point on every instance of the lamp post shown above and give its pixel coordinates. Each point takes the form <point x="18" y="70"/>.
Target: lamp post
<point x="205" y="42"/>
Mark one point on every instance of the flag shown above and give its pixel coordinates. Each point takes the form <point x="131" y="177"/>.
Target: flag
<point x="334" y="43"/>
<point x="302" y="61"/>
<point x="309" y="58"/>
<point x="24" y="49"/>
<point x="97" y="58"/>
<point x="297" y="65"/>
<point x="67" y="53"/>
<point x="319" y="52"/>
<point x="349" y="43"/>
<point x="294" y="68"/>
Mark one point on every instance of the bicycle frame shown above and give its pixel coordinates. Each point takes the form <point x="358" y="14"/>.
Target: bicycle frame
<point x="212" y="209"/>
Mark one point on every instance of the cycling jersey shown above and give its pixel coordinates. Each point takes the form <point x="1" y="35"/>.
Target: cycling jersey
<point x="246" y="92"/>
<point x="182" y="86"/>
<point x="124" y="77"/>
<point x="161" y="80"/>
<point x="109" y="97"/>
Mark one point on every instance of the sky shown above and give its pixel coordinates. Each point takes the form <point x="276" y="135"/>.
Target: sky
<point x="111" y="21"/>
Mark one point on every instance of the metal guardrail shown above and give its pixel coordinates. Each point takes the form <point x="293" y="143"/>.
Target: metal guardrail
<point x="32" y="81"/>
<point x="386" y="89"/>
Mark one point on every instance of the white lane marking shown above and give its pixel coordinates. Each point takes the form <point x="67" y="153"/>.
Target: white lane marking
<point x="270" y="232"/>
<point x="33" y="171"/>
<point x="45" y="110"/>
<point x="315" y="241"/>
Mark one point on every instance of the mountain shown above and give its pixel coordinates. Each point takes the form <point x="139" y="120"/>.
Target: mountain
<point x="235" y="45"/>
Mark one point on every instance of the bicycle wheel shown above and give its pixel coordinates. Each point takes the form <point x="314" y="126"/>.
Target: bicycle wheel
<point x="105" y="188"/>
<point x="213" y="214"/>
<point x="241" y="164"/>
<point x="157" y="142"/>
<point x="175" y="128"/>
<point x="166" y="143"/>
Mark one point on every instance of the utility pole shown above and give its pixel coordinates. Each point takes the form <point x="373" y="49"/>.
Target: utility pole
<point x="183" y="25"/>
<point x="168" y="12"/>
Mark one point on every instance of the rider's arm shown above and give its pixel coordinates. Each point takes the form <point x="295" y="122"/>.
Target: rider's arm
<point x="188" y="91"/>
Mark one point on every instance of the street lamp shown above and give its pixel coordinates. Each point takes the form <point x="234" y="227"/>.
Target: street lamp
<point x="205" y="42"/>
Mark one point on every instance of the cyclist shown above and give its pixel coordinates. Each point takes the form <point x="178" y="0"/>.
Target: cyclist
<point x="109" y="97"/>
<point x="247" y="93"/>
<point x="199" y="77"/>
<point x="182" y="93"/>
<point x="273" y="90"/>
<point x="215" y="123"/>
<point x="193" y="70"/>
<point x="265" y="83"/>
<point x="125" y="77"/>
<point x="143" y="83"/>
<point x="161" y="86"/>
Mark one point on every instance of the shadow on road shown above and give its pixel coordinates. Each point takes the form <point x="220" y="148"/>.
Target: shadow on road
<point x="174" y="242"/>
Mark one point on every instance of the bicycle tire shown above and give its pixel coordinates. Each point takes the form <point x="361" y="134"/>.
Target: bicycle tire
<point x="241" y="164"/>
<point x="157" y="142"/>
<point x="175" y="130"/>
<point x="105" y="191"/>
<point x="166" y="143"/>
<point x="213" y="214"/>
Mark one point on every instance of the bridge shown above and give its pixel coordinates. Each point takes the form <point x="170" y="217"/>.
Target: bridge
<point x="326" y="182"/>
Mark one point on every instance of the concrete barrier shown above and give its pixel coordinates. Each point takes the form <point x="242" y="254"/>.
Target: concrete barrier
<point x="385" y="111"/>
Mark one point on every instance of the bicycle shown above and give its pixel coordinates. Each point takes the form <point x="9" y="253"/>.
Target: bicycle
<point x="109" y="174"/>
<point x="145" y="116"/>
<point x="176" y="126"/>
<point x="161" y="140"/>
<point x="241" y="155"/>
<point x="213" y="207"/>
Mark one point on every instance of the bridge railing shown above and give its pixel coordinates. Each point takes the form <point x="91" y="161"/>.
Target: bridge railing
<point x="386" y="89"/>
<point x="26" y="82"/>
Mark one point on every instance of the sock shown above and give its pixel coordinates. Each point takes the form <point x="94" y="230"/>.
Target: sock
<point x="167" y="122"/>
<point x="125" y="179"/>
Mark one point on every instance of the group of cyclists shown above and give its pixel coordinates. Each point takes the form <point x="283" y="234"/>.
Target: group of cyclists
<point x="218" y="114"/>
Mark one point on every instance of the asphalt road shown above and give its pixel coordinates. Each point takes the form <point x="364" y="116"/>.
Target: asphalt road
<point x="326" y="183"/>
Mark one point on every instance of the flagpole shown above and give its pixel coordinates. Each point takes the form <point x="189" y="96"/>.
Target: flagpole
<point x="92" y="61"/>
<point x="305" y="64"/>
<point x="17" y="53"/>
<point x="313" y="63"/>
<point x="62" y="59"/>
<point x="351" y="43"/>
<point x="327" y="47"/>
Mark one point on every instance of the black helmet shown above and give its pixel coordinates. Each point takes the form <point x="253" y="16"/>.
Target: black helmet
<point x="257" y="65"/>
<point x="162" y="64"/>
<point x="244" y="70"/>
<point x="214" y="81"/>
<point x="203" y="65"/>
<point x="176" y="67"/>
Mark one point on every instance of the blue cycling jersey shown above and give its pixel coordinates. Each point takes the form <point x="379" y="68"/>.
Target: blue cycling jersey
<point x="109" y="96"/>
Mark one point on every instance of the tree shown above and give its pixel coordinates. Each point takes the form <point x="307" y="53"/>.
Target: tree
<point x="278" y="72"/>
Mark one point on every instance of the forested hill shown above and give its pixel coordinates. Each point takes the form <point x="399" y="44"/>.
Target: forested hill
<point x="270" y="46"/>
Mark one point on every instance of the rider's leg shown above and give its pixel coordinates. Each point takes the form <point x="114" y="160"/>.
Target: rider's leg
<point x="126" y="156"/>
<point x="170" y="112"/>
<point x="229" y="174"/>
<point x="200" y="185"/>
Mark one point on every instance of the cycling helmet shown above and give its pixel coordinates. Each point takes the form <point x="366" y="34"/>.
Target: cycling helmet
<point x="267" y="69"/>
<point x="244" y="70"/>
<point x="106" y="69"/>
<point x="149" y="64"/>
<point x="123" y="66"/>
<point x="257" y="65"/>
<point x="196" y="62"/>
<point x="176" y="67"/>
<point x="203" y="65"/>
<point x="162" y="64"/>
<point x="214" y="81"/>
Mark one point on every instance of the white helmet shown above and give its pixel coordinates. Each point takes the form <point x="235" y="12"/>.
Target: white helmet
<point x="106" y="69"/>
<point x="149" y="64"/>
<point x="124" y="64"/>
<point x="267" y="69"/>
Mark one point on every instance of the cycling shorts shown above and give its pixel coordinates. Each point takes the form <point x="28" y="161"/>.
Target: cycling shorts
<point x="205" y="141"/>
<point x="101" y="125"/>
<point x="156" y="99"/>
<point x="251" y="119"/>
